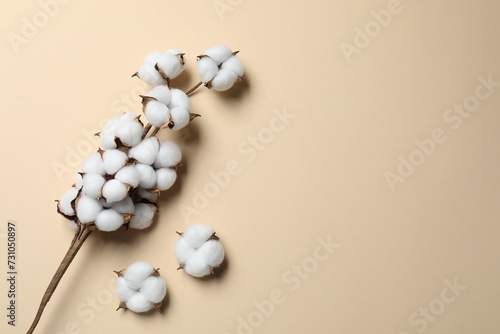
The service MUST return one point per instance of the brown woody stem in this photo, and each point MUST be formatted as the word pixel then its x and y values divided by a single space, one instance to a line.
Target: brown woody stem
pixel 195 87
pixel 81 235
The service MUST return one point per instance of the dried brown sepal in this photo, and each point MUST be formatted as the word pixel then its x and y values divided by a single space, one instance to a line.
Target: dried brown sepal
pixel 157 306
pixel 136 74
pixel 212 271
pixel 163 75
pixel 98 134
pixel 122 305
pixel 235 53
pixel 156 272
pixel 146 99
pixel 119 273
pixel 179 233
pixel 192 116
pixel 213 237
pixel 170 123
pixel 118 142
pixel 180 267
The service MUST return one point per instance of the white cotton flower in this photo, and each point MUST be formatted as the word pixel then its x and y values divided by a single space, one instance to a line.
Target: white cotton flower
pixel 148 73
pixel 143 216
pixel 169 155
pixel 165 178
pixel 198 250
pixel 140 288
pixel 224 80
pixel 157 113
pixel 136 274
pixel 170 65
pixel 179 99
pixel 154 289
pixel 93 164
pixel 114 191
pixel 145 152
pixel 92 184
pixel 160 93
pixel 87 209
pixel 114 160
pixel 139 304
pixel 207 69
pixel 64 204
pixel 129 175
pixel 129 132
pixel 109 220
pixel 218 53
pixel 147 176
pixel 125 206
pixel 180 118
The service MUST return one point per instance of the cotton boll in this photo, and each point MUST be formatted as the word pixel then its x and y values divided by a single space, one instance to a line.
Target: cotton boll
pixel 157 113
pixel 224 80
pixel 183 250
pixel 170 65
pixel 160 93
pixel 78 181
pixel 123 291
pixel 125 206
pixel 147 176
pixel 64 204
pixel 219 53
pixel 234 65
pixel 148 73
pixel 196 266
pixel 87 209
pixel 92 184
pixel 154 289
pixel 129 175
pixel 196 234
pixel 93 164
pixel 149 195
pixel 136 273
pixel 165 178
pixel 145 152
pixel 139 304
pixel 109 220
pixel 207 69
pixel 169 155
pixel 114 191
pixel 152 57
pixel 129 132
pixel 213 252
pixel 180 117
pixel 107 138
pixel 143 216
pixel 179 99
pixel 114 160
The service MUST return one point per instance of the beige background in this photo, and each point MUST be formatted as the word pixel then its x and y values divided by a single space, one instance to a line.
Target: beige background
pixel 322 175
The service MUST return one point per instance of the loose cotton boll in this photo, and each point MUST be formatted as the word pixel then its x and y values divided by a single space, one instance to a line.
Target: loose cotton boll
pixel 129 175
pixel 109 220
pixel 150 75
pixel 92 185
pixel 234 65
pixel 179 99
pixel 87 209
pixel 139 304
pixel 147 176
pixel 160 93
pixel 207 69
pixel 93 164
pixel 143 216
pixel 64 204
pixel 114 191
pixel 180 117
pixel 197 234
pixel 145 152
pixel 165 178
pixel 157 113
pixel 224 80
pixel 219 53
pixel 154 289
pixel 136 274
pixel 114 160
pixel 169 155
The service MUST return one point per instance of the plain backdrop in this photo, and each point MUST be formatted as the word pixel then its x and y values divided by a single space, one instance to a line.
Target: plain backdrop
pixel 352 176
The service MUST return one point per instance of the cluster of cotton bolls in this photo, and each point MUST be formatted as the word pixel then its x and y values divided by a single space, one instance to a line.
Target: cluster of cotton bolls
pixel 140 288
pixel 119 184
pixel 199 250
